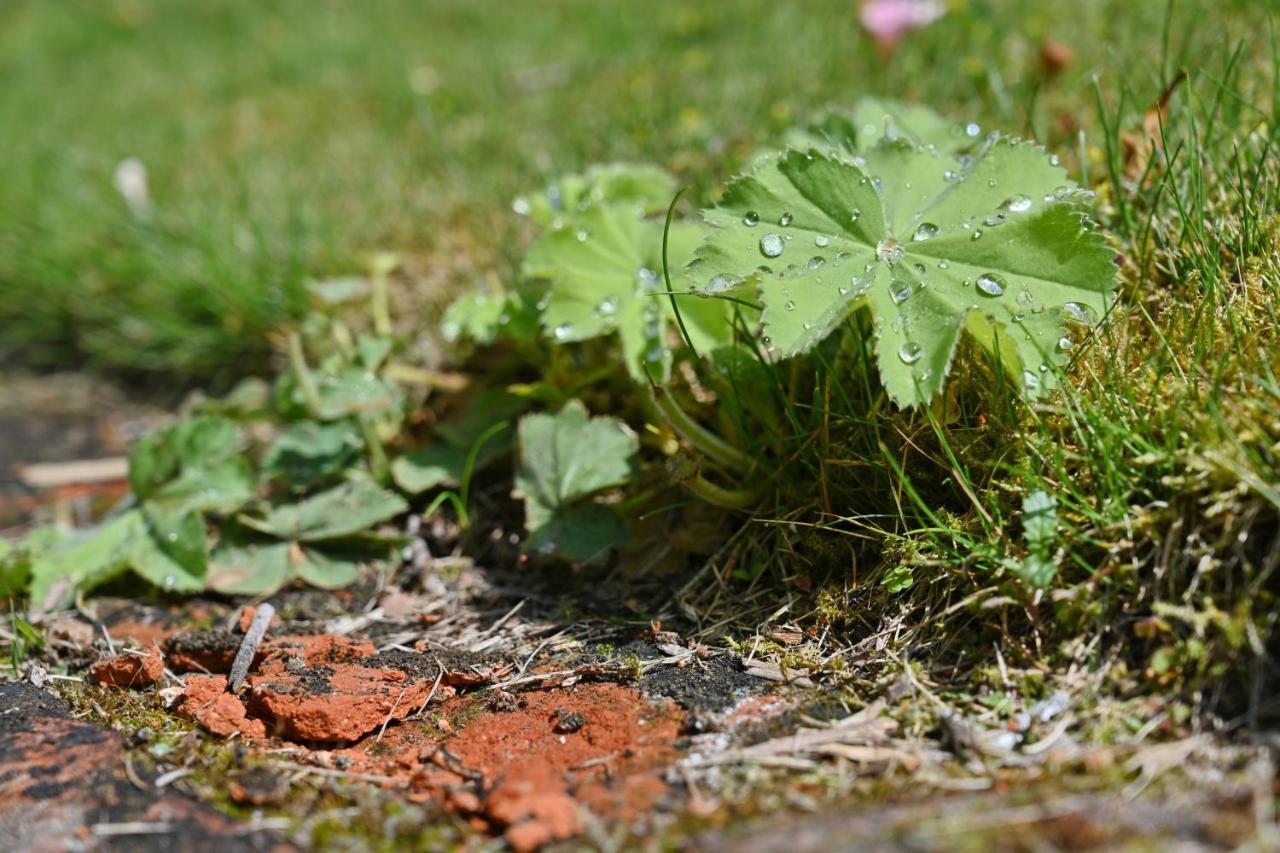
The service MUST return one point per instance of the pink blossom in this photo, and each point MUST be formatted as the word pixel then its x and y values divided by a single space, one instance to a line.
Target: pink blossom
pixel 889 20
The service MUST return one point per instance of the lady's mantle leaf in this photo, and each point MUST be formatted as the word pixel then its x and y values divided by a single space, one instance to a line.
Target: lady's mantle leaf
pixel 165 548
pixel 339 512
pixel 564 459
pixel 873 119
pixel 994 244
pixel 605 275
pixel 194 465
pixel 644 189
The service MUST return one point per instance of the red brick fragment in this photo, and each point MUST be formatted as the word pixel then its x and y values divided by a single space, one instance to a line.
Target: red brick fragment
pixel 129 670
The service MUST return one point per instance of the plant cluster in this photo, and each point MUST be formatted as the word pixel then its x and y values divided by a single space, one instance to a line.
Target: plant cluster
pixel 875 251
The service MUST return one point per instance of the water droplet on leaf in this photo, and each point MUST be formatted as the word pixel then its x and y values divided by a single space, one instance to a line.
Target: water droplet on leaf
pixel 910 352
pixel 771 245
pixel 889 250
pixel 924 231
pixel 992 284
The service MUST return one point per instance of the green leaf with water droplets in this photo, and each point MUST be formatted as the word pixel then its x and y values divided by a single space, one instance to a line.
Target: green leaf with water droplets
pixel 605 276
pixel 873 119
pixel 564 459
pixel 644 189
pixel 994 245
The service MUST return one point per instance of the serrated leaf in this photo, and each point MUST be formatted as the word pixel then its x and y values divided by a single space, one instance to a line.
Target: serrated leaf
pixel 605 275
pixel 173 555
pixel 82 560
pixel 1039 521
pixel 476 316
pixel 579 533
pixel 873 119
pixel 352 391
pixel 193 466
pixel 1037 570
pixel 564 459
pixel 429 467
pixel 310 452
pixel 570 455
pixel 325 570
pixel 642 188
pixel 333 514
pixel 239 567
pixel 993 245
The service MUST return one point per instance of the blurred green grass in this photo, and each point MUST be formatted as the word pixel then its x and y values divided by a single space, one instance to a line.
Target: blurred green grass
pixel 284 139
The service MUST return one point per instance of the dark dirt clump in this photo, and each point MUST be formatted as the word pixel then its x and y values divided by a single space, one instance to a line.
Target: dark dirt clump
pixel 461 668
pixel 704 685
pixel 211 650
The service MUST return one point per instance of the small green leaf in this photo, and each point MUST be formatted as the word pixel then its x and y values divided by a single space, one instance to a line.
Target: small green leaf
pixel 193 466
pixel 339 512
pixel 994 245
pixel 1037 570
pixel 1039 521
pixel 239 567
pixel 309 453
pixel 570 455
pixel 580 533
pixel 645 189
pixel 15 569
pixel 326 571
pixel 353 391
pixel 250 398
pixel 168 551
pixel 372 351
pixel 898 579
pixel 564 459
pixel 82 560
pixel 428 467
pixel 173 554
pixel 605 275
pixel 476 316
pixel 338 291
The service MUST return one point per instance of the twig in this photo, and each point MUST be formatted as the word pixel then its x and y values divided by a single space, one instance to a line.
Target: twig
pixel 392 713
pixel 172 776
pixel 112 830
pixel 249 646
pixel 431 695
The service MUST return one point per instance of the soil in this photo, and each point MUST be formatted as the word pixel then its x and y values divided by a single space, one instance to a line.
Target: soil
pixel 64 786
pixel 484 723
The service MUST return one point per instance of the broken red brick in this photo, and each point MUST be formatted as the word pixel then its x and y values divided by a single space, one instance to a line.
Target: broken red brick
pixel 207 701
pixel 534 808
pixel 129 670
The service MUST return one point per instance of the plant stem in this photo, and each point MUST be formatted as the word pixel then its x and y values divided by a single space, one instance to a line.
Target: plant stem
pixel 380 268
pixel 739 499
pixel 704 441
pixel 298 360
